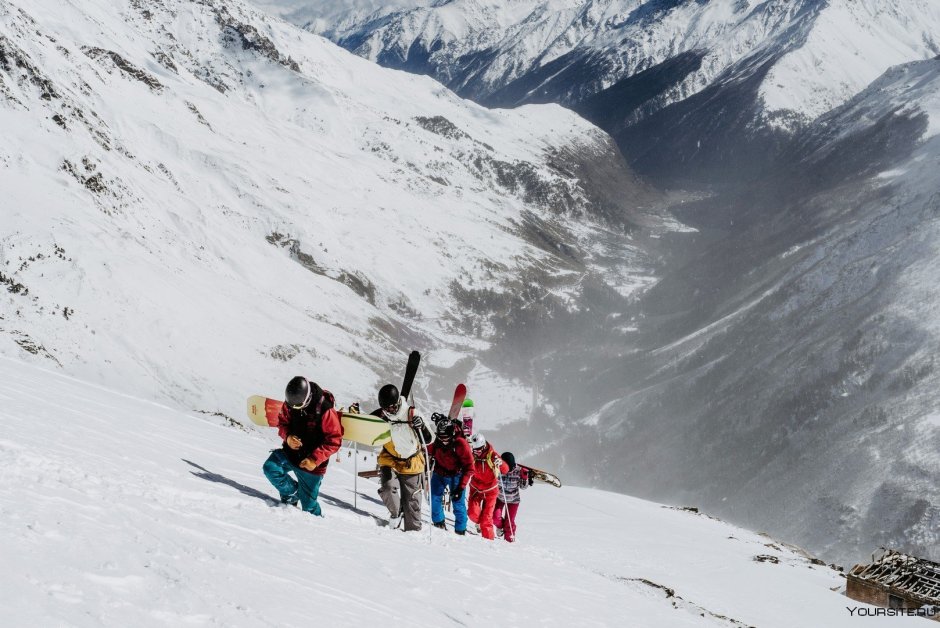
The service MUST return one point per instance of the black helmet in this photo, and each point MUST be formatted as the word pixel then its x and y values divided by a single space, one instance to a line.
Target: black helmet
pixel 445 428
pixel 300 392
pixel 389 396
pixel 509 459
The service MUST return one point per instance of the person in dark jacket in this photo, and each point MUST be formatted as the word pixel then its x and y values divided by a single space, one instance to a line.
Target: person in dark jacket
pixel 453 466
pixel 312 432
pixel 507 503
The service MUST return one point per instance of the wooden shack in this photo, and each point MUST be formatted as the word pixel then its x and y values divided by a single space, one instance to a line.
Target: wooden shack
pixel 895 580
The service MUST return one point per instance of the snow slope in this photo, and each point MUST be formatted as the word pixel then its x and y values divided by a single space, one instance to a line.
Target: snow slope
pixel 851 44
pixel 115 510
pixel 201 201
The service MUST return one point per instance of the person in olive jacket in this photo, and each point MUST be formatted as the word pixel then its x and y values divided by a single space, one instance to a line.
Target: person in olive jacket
pixel 312 432
pixel 401 461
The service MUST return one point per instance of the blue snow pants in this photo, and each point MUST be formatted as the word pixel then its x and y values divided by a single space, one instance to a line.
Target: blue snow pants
pixel 277 469
pixel 438 484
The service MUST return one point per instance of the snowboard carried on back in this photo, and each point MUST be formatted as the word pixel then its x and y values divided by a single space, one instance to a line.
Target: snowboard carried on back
pixel 364 429
pixel 543 476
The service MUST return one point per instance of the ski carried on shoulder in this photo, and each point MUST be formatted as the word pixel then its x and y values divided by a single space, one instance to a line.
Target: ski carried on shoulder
pixel 410 371
pixel 460 393
pixel 542 476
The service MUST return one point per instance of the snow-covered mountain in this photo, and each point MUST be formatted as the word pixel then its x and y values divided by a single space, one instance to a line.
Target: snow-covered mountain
pixel 166 520
pixel 783 373
pixel 694 91
pixel 200 201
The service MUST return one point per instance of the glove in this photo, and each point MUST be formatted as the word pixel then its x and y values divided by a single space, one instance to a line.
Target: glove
pixel 353 408
pixel 294 443
pixel 417 422
pixel 531 479
pixel 307 464
pixel 456 494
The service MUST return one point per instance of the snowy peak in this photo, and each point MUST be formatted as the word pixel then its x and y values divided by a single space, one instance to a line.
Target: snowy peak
pixel 657 72
pixel 483 46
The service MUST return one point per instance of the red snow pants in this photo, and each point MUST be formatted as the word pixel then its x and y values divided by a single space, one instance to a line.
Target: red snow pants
pixel 504 516
pixel 480 507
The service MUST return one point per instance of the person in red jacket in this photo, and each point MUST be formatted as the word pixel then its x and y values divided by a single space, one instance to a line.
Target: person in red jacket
pixel 487 468
pixel 312 432
pixel 453 466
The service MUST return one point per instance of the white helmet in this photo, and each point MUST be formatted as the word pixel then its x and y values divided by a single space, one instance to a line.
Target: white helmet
pixel 477 441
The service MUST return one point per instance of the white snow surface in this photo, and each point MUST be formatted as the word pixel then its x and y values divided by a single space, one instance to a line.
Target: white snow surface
pixel 831 50
pixel 117 511
pixel 196 214
pixel 852 43
pixel 321 15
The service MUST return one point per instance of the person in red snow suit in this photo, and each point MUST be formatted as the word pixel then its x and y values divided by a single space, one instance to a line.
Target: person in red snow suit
pixel 507 504
pixel 312 432
pixel 484 484
pixel 453 466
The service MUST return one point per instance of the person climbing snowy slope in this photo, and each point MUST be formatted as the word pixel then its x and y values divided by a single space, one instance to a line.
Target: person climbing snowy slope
pixel 487 467
pixel 312 432
pixel 507 503
pixel 401 460
pixel 453 466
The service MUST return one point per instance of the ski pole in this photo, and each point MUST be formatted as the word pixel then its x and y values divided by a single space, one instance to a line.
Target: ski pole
pixel 427 466
pixel 356 477
pixel 501 493
pixel 427 476
pixel 427 490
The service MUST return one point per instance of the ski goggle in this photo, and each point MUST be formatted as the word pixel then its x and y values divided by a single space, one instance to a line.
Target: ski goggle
pixel 306 399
